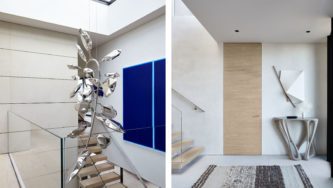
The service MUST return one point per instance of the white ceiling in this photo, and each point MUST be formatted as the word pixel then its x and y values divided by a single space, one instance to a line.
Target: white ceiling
pixel 264 20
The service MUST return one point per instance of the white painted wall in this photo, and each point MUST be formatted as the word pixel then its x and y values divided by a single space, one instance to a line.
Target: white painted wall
pixel 308 57
pixel 125 12
pixel 34 79
pixel 143 44
pixel 197 73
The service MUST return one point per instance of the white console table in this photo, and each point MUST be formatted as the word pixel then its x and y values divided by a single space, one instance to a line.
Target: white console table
pixel 310 125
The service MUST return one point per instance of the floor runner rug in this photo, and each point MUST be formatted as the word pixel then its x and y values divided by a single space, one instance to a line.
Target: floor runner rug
pixel 253 177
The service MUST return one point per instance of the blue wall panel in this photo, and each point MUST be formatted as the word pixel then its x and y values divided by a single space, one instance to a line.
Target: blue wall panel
pixel 137 104
pixel 144 104
pixel 159 104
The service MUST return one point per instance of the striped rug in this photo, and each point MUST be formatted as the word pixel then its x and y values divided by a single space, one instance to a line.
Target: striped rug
pixel 253 177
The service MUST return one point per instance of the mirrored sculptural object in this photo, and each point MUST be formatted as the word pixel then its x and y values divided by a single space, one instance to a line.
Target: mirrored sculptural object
pixel 82 107
pixel 109 86
pixel 115 125
pixel 80 162
pixel 87 99
pixel 89 90
pixel 86 91
pixel 103 141
pixel 76 90
pixel 81 53
pixel 111 56
pixel 88 73
pixel 86 40
pixel 110 123
pixel 93 64
pixel 112 75
pixel 109 112
pixel 93 81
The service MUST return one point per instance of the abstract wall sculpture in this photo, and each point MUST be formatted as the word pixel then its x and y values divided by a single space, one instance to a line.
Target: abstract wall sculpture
pixel 292 84
pixel 89 89
pixel 144 112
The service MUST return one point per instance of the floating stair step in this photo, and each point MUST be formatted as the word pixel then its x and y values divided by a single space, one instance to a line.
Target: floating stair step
pixel 93 170
pixel 96 182
pixel 181 146
pixel 83 141
pixel 116 185
pixel 185 158
pixel 96 158
pixel 176 136
pixel 83 136
pixel 95 149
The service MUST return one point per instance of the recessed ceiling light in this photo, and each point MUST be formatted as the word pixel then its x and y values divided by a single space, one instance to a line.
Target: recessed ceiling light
pixel 308 31
pixel 237 31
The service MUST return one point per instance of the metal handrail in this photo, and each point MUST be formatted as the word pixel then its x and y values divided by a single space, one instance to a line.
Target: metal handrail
pixel 196 107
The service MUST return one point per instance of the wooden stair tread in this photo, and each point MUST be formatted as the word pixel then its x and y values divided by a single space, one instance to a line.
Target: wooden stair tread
pixel 91 170
pixel 81 136
pixel 97 182
pixel 96 158
pixel 117 185
pixel 181 146
pixel 176 136
pixel 185 158
pixel 95 149
pixel 83 141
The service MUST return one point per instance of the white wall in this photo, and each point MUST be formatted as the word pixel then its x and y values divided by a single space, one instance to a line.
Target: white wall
pixel 308 57
pixel 197 73
pixel 34 79
pixel 125 12
pixel 143 44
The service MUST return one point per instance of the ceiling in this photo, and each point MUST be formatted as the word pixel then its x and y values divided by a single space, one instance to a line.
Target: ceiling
pixel 281 21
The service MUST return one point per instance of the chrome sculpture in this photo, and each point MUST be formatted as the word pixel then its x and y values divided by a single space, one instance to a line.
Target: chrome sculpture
pixel 103 141
pixel 80 162
pixel 111 56
pixel 88 90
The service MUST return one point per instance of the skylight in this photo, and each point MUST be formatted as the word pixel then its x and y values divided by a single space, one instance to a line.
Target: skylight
pixel 107 2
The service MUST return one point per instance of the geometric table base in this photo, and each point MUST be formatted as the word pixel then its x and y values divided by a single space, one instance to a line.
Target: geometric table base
pixel 310 131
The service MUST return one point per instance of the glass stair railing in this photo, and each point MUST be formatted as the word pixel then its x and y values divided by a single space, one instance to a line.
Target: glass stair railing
pixel 44 157
pixel 183 149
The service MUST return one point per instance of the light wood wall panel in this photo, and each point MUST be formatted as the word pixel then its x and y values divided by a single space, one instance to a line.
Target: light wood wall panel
pixel 242 98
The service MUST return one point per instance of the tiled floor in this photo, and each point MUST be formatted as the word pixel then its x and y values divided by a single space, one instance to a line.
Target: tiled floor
pixel 7 175
pixel 40 165
pixel 318 169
